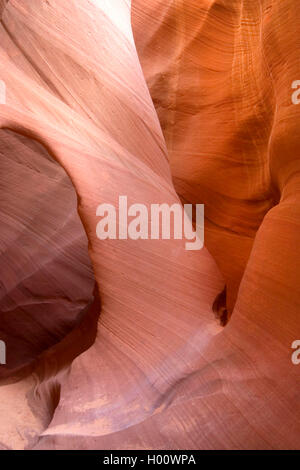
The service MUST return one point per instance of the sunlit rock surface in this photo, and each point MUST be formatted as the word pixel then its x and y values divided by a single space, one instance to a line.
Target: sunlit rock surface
pixel 154 370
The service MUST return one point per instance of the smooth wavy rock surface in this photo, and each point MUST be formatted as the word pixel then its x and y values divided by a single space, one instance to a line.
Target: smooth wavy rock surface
pixel 140 361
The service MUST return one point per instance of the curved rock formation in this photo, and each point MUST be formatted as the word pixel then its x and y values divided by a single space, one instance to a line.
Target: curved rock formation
pixel 44 254
pixel 155 370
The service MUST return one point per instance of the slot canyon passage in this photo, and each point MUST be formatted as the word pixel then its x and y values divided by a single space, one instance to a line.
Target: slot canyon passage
pixel 113 344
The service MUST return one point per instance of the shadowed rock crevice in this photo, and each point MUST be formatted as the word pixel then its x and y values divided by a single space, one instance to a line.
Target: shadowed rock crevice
pixel 46 278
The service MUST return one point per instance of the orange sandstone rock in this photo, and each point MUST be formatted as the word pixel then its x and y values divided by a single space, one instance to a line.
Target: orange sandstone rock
pixel 155 370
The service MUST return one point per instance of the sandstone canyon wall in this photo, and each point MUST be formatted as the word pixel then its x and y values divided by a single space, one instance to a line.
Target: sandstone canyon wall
pixel 113 344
